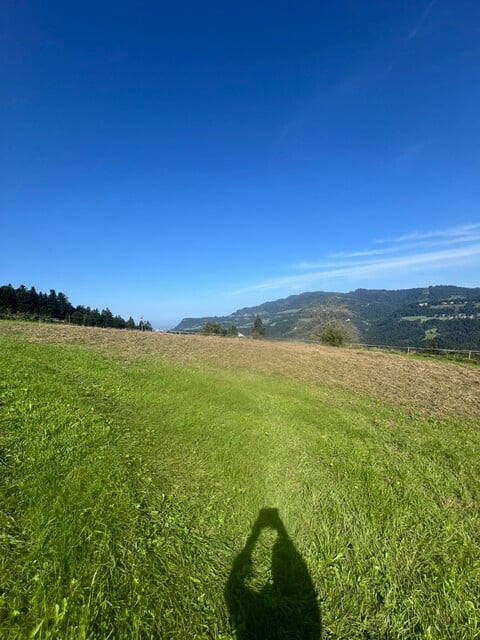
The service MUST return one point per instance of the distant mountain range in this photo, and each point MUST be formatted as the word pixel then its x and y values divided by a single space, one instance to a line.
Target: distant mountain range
pixel 444 316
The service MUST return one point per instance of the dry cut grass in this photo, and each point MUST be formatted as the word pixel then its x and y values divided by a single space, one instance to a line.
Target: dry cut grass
pixel 439 389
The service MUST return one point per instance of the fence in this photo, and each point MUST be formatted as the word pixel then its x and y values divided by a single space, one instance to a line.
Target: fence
pixel 464 354
pixel 467 354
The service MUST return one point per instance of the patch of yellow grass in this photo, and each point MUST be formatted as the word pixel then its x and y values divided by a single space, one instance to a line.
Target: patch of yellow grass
pixel 435 388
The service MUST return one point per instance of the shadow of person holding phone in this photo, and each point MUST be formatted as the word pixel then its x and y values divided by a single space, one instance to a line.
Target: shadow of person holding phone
pixel 285 607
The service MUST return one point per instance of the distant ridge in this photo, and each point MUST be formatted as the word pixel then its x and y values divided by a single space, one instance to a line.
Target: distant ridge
pixel 445 315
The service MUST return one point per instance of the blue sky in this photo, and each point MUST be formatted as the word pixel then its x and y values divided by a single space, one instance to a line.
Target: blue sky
pixel 182 159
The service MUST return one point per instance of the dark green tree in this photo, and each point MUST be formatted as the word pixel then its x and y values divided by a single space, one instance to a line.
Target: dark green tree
pixel 52 304
pixel 77 316
pixel 232 331
pixel 23 305
pixel 63 306
pixel 8 299
pixel 43 304
pixel 94 318
pixel 212 328
pixel 334 334
pixel 119 323
pixel 258 330
pixel 33 301
pixel 106 318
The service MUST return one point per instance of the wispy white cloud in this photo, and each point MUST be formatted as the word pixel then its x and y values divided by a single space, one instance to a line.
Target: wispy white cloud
pixel 363 254
pixel 446 248
pixel 334 261
pixel 418 25
pixel 453 236
pixel 404 247
pixel 307 266
pixel 460 233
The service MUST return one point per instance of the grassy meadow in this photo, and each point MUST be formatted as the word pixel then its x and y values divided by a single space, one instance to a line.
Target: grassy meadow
pixel 189 487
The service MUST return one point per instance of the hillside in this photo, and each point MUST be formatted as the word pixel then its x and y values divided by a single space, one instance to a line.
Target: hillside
pixel 407 317
pixel 165 486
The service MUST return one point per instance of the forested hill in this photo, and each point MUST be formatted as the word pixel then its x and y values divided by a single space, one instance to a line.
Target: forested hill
pixel 28 304
pixel 447 316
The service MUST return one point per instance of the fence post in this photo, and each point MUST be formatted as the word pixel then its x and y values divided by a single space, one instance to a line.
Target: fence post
pixel 469 355
pixel 408 351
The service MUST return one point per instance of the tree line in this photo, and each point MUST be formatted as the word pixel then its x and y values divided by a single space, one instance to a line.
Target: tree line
pixel 212 328
pixel 29 304
pixel 456 333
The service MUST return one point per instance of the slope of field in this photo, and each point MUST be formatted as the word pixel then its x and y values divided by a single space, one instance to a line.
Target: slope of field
pixel 429 386
pixel 179 487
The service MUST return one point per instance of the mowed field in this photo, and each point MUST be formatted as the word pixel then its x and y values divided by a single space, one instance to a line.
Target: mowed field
pixel 162 486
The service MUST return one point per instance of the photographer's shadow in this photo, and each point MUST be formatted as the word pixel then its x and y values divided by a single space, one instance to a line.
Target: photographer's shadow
pixel 284 608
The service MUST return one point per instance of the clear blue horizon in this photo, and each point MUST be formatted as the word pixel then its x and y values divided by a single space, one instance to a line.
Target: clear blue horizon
pixel 169 161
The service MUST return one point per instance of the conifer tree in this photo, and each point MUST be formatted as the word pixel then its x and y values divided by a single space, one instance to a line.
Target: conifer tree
pixel 258 330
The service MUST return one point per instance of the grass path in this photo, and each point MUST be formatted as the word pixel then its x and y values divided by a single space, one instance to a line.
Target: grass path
pixel 129 487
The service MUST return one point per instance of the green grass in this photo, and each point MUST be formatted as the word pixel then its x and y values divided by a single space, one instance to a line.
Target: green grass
pixel 128 491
